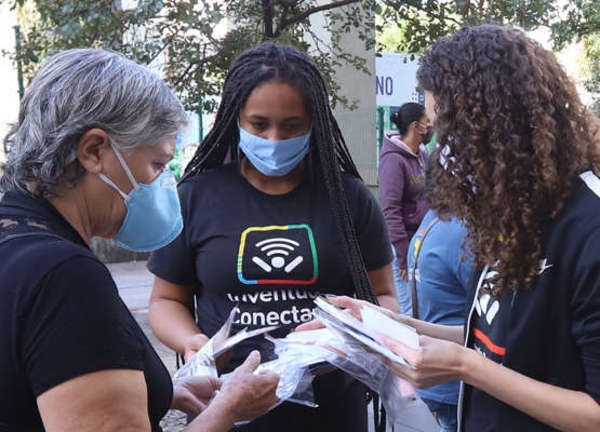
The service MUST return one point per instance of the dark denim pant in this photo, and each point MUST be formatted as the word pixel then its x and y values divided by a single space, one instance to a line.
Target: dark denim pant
pixel 445 413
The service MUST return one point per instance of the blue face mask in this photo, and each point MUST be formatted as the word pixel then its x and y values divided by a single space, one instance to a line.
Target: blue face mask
pixel 153 217
pixel 274 158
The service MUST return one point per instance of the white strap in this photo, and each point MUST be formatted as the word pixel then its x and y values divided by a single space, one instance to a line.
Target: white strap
pixel 113 185
pixel 125 167
pixel 592 181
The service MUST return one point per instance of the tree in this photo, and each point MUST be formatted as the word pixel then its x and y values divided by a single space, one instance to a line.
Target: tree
pixel 579 21
pixel 590 68
pixel 574 20
pixel 195 40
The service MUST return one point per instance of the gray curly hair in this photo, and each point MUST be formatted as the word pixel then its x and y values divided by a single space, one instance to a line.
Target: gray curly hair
pixel 75 91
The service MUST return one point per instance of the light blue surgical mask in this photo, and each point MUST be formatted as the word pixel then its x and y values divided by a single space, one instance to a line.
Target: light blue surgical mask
pixel 274 158
pixel 153 217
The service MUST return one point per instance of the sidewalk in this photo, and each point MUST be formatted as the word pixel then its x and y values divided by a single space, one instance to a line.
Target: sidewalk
pixel 134 282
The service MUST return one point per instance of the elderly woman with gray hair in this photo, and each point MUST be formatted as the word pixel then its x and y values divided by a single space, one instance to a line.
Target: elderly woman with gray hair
pixel 88 158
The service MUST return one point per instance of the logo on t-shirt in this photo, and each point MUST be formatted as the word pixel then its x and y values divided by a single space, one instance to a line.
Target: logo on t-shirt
pixel 278 255
pixel 489 336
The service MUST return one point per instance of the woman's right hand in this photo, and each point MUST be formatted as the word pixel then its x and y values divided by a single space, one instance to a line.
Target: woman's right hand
pixel 247 395
pixel 436 361
pixel 193 344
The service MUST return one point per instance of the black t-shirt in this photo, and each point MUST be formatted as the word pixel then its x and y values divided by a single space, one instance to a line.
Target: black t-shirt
pixel 61 316
pixel 550 333
pixel 269 254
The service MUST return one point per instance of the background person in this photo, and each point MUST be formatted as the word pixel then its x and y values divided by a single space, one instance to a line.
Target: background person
pixel 402 184
pixel 275 213
pixel 87 158
pixel 442 275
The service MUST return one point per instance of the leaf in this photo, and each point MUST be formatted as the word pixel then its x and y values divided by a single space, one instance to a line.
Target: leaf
pixel 199 49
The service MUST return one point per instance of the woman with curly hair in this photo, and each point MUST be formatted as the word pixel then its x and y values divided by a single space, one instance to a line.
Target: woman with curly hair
pixel 516 156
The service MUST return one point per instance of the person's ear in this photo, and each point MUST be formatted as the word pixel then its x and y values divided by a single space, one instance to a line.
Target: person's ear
pixel 91 150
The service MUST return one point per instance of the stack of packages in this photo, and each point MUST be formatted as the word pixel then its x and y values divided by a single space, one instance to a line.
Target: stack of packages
pixel 349 344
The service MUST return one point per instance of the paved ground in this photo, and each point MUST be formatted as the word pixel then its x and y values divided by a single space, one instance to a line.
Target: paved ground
pixel 135 283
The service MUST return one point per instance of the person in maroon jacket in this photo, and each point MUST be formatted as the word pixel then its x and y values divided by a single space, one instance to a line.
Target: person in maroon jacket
pixel 402 183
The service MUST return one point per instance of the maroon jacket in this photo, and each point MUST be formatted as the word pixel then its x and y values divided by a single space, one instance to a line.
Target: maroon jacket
pixel 402 185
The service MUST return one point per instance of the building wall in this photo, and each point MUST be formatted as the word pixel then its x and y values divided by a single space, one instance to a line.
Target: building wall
pixel 358 126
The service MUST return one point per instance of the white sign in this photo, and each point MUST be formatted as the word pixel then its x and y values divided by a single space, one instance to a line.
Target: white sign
pixel 395 79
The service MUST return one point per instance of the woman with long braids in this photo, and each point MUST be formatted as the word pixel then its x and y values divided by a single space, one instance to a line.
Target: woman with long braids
pixel 516 164
pixel 275 213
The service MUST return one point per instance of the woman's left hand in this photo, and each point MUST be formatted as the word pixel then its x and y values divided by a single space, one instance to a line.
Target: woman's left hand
pixel 436 361
pixel 193 394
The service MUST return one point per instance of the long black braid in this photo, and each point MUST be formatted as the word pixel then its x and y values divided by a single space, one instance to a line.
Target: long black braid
pixel 328 155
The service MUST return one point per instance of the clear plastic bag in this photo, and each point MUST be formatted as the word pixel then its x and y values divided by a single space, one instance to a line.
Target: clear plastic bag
pixel 302 354
pixel 293 364
pixel 295 380
pixel 204 362
pixel 398 397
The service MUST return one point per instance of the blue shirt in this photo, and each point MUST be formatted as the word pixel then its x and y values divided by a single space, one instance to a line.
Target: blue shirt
pixel 442 281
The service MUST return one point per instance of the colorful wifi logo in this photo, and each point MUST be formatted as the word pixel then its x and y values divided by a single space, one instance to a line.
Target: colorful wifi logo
pixel 278 251
pixel 277 255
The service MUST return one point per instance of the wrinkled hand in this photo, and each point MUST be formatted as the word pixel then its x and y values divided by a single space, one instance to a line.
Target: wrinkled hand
pixel 192 394
pixel 247 395
pixel 193 344
pixel 436 361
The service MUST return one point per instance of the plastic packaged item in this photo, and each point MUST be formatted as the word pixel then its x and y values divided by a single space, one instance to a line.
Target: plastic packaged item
pixel 345 343
pixel 204 361
pixel 293 367
pixel 296 366
pixel 360 355
pixel 366 332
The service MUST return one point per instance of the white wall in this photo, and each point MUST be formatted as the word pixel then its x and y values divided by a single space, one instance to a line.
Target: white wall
pixel 358 126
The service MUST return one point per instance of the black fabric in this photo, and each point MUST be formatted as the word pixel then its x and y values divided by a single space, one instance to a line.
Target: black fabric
pixel 342 413
pixel 61 316
pixel 549 332
pixel 232 253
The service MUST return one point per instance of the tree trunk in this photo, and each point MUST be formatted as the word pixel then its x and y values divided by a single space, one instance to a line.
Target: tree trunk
pixel 267 6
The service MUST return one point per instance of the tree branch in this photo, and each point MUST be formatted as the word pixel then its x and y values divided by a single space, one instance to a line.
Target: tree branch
pixel 166 43
pixel 194 65
pixel 267 7
pixel 301 17
pixel 395 6
pixel 284 14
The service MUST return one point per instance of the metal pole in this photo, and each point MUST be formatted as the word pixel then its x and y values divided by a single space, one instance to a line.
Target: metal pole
pixel 380 126
pixel 19 55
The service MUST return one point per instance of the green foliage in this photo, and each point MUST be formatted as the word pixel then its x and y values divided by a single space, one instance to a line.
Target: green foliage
pixel 573 20
pixel 194 41
pixel 422 22
pixel 175 164
pixel 590 68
